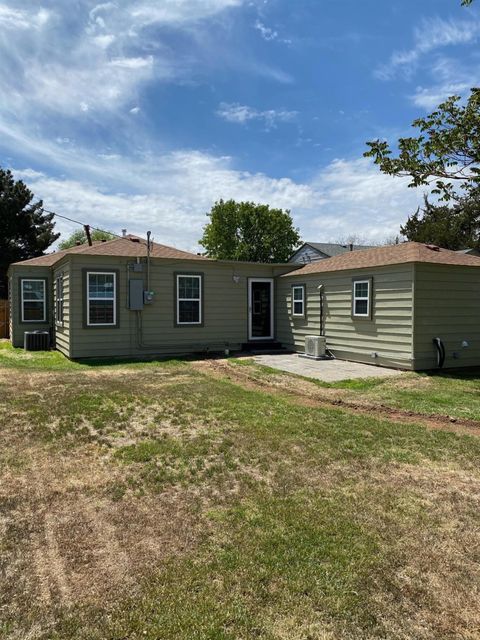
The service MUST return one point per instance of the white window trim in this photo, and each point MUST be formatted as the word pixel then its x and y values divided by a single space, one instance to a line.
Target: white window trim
pixel 114 299
pixel 302 288
pixel 44 300
pixel 359 298
pixel 58 278
pixel 199 299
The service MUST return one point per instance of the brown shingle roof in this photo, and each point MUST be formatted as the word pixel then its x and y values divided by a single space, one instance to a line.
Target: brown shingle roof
pixel 131 246
pixel 389 255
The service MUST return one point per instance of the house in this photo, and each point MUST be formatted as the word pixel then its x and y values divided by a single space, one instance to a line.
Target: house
pixel 313 251
pixel 471 252
pixel 386 305
pixel 113 299
pixel 123 297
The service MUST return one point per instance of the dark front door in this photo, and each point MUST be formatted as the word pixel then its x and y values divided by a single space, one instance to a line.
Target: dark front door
pixel 261 307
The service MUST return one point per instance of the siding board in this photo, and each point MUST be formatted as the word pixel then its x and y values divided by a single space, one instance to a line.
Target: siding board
pixel 447 305
pixel 225 310
pixel 389 333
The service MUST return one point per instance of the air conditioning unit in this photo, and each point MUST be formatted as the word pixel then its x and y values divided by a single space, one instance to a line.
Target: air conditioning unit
pixel 36 340
pixel 315 347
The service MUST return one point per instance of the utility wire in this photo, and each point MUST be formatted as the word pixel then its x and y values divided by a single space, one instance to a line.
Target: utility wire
pixel 82 223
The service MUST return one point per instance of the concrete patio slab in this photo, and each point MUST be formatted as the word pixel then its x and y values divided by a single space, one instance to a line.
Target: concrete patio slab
pixel 325 370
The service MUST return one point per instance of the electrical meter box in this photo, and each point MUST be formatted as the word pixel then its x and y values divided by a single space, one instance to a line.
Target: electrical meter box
pixel 148 297
pixel 135 295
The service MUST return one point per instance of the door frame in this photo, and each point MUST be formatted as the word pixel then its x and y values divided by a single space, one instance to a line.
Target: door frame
pixel 272 308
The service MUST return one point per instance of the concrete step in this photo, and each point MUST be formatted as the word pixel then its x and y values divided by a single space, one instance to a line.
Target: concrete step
pixel 261 346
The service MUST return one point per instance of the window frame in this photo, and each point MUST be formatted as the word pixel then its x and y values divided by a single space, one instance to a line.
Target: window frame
pixel 368 298
pixel 200 299
pixel 303 300
pixel 59 304
pixel 44 301
pixel 115 299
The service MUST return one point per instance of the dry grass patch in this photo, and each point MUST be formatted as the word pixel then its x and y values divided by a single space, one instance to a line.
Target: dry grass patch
pixel 176 504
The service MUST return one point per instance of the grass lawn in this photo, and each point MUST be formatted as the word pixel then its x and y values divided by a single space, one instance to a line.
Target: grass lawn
pixel 158 501
pixel 456 395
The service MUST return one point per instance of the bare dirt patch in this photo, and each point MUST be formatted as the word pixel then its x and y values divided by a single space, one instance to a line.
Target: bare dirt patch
pixel 309 394
pixel 72 543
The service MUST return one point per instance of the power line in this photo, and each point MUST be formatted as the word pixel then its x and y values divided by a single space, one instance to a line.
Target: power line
pixel 82 223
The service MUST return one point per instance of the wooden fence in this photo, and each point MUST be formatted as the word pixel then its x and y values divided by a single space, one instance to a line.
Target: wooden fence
pixel 3 318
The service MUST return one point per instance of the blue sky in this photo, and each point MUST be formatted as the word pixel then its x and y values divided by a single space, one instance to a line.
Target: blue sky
pixel 142 113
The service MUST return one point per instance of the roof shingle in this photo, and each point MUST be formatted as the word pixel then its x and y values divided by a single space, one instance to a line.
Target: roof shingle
pixel 389 255
pixel 332 249
pixel 130 246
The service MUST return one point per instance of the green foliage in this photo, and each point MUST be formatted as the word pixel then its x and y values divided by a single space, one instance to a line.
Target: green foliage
pixel 465 3
pixel 26 230
pixel 445 155
pixel 250 232
pixel 456 227
pixel 79 237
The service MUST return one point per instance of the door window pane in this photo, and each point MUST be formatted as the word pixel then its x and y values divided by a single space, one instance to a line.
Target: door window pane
pixel 261 309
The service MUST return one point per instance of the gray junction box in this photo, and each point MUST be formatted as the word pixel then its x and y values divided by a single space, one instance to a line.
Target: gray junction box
pixel 135 295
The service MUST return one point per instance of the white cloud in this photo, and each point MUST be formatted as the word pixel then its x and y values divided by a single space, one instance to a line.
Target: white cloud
pixel 73 54
pixel 132 63
pixel 170 194
pixel 452 77
pixel 104 41
pixel 430 36
pixel 174 12
pixel 134 110
pixel 429 98
pixel 268 34
pixel 355 198
pixel 241 114
pixel 11 18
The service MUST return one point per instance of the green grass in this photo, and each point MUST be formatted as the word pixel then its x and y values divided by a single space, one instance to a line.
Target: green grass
pixel 451 394
pixel 16 358
pixel 301 558
pixel 273 520
pixel 446 394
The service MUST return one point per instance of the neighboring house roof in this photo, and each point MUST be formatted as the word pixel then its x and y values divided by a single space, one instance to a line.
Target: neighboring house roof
pixel 471 251
pixel 130 246
pixel 330 249
pixel 390 255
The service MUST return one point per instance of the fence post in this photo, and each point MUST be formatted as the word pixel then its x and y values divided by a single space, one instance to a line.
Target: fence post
pixel 4 328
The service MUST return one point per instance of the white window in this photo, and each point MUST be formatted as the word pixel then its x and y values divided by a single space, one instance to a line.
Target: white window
pixel 298 300
pixel 189 299
pixel 59 299
pixel 101 298
pixel 361 298
pixel 33 300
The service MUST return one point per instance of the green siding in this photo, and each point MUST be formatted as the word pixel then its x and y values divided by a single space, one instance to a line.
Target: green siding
pixel 62 332
pixel 447 305
pixel 388 333
pixel 17 327
pixel 225 311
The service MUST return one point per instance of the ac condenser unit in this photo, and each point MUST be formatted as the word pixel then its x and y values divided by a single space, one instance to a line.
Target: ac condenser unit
pixel 315 347
pixel 36 340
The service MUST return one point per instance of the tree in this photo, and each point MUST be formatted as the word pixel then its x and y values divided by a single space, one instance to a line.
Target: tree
pixel 445 155
pixel 26 231
pixel 250 232
pixel 456 227
pixel 79 237
pixel 465 3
